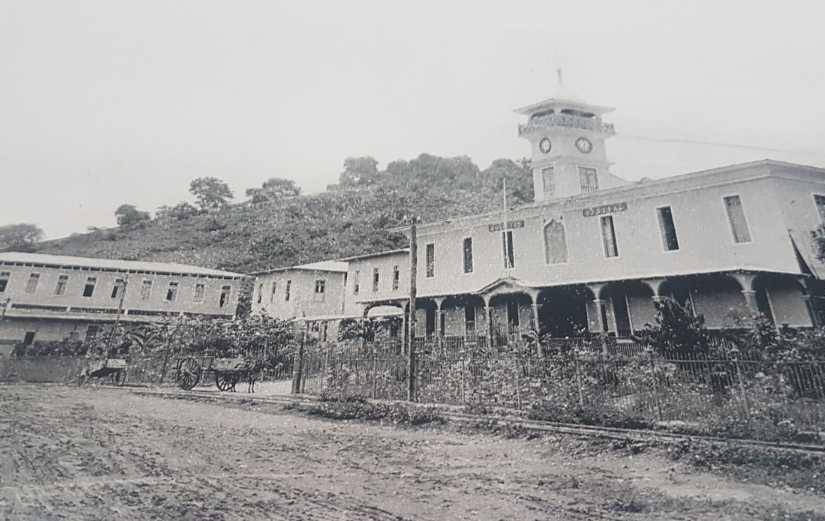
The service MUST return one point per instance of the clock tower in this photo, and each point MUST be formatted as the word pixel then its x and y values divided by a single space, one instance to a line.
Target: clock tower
pixel 567 138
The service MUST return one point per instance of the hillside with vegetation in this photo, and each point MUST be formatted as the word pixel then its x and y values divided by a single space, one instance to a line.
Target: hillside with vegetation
pixel 277 226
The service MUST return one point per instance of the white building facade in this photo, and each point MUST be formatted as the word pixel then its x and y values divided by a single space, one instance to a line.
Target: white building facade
pixel 53 297
pixel 594 252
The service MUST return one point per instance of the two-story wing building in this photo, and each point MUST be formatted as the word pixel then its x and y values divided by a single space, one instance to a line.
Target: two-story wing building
pixel 52 297
pixel 594 251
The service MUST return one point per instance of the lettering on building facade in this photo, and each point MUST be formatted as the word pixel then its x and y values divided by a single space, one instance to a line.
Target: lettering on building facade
pixel 511 225
pixel 604 209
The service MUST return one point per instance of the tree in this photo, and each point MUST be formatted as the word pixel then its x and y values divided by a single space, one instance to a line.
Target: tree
pixel 519 180
pixel 274 189
pixel 676 330
pixel 210 192
pixel 128 215
pixel 358 172
pixel 19 237
pixel 179 212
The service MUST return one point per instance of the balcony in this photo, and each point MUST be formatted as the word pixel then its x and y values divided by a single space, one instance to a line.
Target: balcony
pixel 565 120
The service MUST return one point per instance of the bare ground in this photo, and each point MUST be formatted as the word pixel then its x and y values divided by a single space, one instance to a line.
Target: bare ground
pixel 101 453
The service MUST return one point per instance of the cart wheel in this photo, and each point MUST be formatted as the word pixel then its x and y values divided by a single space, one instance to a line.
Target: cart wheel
pixel 223 381
pixel 119 377
pixel 189 374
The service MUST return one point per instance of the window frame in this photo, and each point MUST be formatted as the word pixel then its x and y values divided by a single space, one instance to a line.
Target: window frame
pixel 146 289
pixel 508 249
pixel 5 278
pixel 287 290
pixel 580 169
pixel 661 229
pixel 376 279
pixel 320 296
pixel 429 260
pixel 223 298
pixel 730 222
pixel 552 171
pixel 615 239
pixel 60 289
pixel 117 286
pixel 86 285
pixel 396 277
pixel 172 290
pixel 202 297
pixel 544 239
pixel 464 256
pixel 29 288
pixel 273 291
pixel 819 214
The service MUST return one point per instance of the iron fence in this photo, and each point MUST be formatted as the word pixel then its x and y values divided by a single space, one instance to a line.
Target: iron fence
pixel 620 380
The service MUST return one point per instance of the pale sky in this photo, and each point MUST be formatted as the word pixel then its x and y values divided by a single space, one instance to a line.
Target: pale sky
pixel 104 101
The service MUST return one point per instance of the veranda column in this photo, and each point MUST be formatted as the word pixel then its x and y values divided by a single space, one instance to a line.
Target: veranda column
pixel 534 302
pixel 809 305
pixel 438 311
pixel 488 314
pixel 598 303
pixel 745 280
pixel 656 286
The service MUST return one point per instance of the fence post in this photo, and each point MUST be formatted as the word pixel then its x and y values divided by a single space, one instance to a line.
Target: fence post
pixel 518 380
pixel 297 366
pixel 374 372
pixel 742 392
pixel 578 379
pixel 655 388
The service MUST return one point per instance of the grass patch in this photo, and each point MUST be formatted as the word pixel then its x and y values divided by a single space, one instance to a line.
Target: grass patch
pixel 359 409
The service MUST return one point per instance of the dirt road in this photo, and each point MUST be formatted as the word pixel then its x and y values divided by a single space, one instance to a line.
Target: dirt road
pixel 69 453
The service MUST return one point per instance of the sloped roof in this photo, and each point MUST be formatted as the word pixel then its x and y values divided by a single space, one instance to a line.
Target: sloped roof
pixel 327 265
pixel 45 259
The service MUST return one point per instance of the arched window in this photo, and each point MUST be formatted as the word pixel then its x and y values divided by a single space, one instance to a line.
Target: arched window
pixel 555 244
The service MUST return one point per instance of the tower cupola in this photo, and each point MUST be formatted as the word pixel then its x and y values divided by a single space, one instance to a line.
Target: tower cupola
pixel 567 138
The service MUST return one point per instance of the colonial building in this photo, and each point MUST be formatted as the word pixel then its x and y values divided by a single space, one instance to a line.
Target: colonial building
pixel 52 297
pixel 594 251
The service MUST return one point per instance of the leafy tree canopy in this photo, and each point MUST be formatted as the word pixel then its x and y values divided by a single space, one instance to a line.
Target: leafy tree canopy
pixel 129 215
pixel 358 172
pixel 274 189
pixel 19 237
pixel 210 193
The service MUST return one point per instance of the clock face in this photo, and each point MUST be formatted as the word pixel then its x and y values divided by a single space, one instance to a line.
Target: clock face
pixel 545 145
pixel 584 145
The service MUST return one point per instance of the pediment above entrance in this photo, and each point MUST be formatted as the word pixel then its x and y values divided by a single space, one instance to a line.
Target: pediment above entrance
pixel 506 286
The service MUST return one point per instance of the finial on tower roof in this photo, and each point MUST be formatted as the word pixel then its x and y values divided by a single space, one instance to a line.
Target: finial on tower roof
pixel 558 73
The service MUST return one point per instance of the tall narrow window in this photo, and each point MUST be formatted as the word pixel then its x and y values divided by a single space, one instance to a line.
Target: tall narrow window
pixel 287 289
pixel 555 243
pixel 819 200
pixel 589 179
pixel 31 284
pixel 62 282
pixel 260 292
pixel 92 331
pixel 468 255
pixel 200 291
pixel 396 277
pixel 224 300
pixel 320 289
pixel 4 280
pixel 89 288
pixel 609 237
pixel 356 285
pixel 667 228
pixel 736 217
pixel 146 289
pixel 507 247
pixel 117 288
pixel 172 292
pixel 274 289
pixel 548 183
pixel 375 279
pixel 430 259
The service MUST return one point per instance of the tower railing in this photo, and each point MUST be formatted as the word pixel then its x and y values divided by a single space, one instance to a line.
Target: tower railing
pixel 565 120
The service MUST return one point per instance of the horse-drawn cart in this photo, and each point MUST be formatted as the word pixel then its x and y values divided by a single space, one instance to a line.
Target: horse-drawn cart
pixel 227 371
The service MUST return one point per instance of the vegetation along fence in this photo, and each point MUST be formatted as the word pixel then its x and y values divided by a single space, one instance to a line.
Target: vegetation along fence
pixel 624 385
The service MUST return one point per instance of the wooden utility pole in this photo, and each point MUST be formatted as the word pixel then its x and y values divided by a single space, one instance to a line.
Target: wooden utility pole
pixel 411 321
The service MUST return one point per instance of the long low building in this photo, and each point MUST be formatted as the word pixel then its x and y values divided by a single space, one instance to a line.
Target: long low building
pixel 595 251
pixel 52 297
